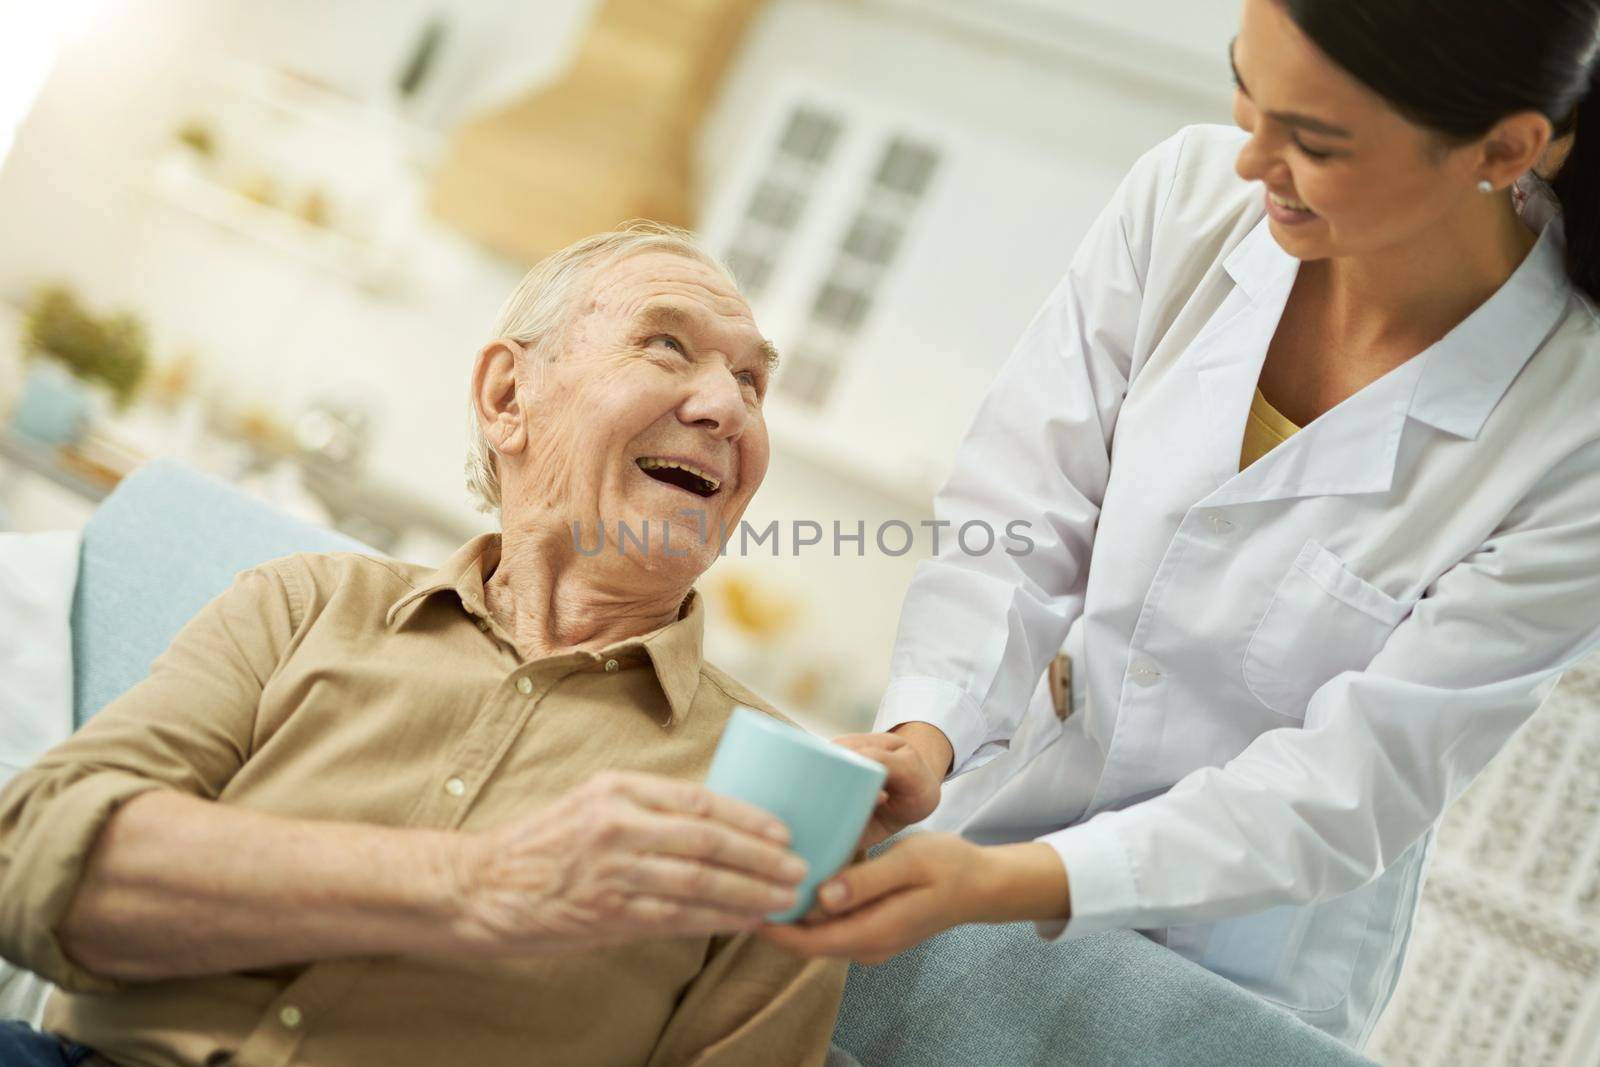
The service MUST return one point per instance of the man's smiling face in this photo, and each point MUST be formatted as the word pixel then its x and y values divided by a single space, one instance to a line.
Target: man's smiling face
pixel 648 411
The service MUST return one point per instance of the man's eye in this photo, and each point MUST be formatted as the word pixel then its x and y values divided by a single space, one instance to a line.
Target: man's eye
pixel 668 340
pixel 750 378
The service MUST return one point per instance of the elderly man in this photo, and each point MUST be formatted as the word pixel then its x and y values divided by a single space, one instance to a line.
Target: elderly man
pixel 366 813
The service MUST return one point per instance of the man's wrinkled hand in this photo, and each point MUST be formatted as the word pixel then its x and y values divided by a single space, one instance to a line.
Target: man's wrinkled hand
pixel 622 857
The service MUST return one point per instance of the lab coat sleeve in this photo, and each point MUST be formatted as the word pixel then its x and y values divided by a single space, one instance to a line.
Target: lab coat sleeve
pixel 977 631
pixel 1303 815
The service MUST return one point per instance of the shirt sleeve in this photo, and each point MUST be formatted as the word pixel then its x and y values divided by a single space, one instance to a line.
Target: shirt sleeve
pixel 754 1002
pixel 976 631
pixel 187 728
pixel 1303 815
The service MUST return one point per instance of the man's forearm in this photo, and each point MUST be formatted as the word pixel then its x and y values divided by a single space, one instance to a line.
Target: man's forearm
pixel 179 886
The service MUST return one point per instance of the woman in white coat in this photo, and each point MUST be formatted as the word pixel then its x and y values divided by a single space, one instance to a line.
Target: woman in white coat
pixel 1309 441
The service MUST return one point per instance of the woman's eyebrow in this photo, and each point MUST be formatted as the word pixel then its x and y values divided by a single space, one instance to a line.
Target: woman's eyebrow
pixel 1289 118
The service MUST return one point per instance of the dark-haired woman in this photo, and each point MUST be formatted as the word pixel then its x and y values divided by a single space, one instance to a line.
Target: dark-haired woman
pixel 1309 442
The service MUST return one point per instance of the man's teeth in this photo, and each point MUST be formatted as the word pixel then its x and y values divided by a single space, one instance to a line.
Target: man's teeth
pixel 667 464
pixel 1292 205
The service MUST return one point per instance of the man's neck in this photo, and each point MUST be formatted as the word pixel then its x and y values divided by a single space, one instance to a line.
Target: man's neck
pixel 551 600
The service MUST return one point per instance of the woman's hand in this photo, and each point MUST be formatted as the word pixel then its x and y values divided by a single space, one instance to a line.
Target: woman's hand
pixel 922 886
pixel 910 792
pixel 625 856
pixel 879 908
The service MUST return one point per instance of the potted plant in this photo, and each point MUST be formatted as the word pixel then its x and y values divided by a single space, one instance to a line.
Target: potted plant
pixel 67 346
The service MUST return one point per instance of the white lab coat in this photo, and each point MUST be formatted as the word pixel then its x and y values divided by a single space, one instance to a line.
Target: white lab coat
pixel 1281 676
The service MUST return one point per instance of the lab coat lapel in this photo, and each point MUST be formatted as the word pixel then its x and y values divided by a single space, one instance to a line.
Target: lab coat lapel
pixel 1349 449
pixel 1353 447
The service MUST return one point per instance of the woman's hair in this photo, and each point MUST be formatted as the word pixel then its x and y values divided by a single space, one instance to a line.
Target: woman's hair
pixel 1459 66
pixel 537 313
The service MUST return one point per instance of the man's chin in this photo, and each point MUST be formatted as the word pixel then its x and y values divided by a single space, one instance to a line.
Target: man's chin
pixel 664 536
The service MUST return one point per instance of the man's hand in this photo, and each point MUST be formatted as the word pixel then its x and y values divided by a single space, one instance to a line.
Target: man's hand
pixel 911 791
pixel 625 856
pixel 922 886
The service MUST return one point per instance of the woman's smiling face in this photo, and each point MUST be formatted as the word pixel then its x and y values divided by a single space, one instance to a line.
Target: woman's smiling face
pixel 1345 173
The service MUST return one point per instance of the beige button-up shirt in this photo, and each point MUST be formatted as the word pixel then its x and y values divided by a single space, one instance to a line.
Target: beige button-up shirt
pixel 351 688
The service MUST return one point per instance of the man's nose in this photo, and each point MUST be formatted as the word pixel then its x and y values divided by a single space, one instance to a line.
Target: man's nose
pixel 715 403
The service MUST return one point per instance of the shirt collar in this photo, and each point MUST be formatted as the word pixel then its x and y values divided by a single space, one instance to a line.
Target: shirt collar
pixel 1258 261
pixel 1470 369
pixel 1463 375
pixel 675 650
pixel 463 572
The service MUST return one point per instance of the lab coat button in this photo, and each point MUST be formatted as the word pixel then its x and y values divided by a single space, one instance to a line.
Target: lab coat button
pixel 1221 525
pixel 1145 673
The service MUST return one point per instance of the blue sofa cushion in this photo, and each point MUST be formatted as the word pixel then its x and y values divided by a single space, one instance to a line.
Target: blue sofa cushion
pixel 154 553
pixel 1001 996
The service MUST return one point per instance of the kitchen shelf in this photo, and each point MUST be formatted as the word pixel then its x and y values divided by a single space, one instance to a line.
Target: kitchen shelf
pixel 178 183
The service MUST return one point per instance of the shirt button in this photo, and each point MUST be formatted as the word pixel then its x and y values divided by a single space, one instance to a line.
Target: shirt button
pixel 611 664
pixel 1221 525
pixel 483 624
pixel 524 685
pixel 455 787
pixel 289 1016
pixel 1145 674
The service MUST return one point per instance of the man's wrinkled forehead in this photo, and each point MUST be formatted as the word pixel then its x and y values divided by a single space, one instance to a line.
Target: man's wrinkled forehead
pixel 669 291
pixel 622 287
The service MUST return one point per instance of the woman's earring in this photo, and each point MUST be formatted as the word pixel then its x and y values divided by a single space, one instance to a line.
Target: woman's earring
pixel 1486 186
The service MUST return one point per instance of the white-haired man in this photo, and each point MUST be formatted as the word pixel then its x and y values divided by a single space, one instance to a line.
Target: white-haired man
pixel 362 812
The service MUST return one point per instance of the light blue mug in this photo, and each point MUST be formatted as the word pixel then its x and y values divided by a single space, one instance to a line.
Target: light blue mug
pixel 824 793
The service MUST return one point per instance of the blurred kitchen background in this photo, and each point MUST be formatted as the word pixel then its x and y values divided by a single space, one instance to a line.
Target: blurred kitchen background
pixel 267 238
pixel 271 237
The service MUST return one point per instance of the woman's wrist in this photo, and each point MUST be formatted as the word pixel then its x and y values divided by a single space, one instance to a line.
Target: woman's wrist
pixel 1020 883
pixel 931 744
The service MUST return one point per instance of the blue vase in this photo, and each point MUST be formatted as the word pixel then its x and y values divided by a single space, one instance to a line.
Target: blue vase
pixel 54 406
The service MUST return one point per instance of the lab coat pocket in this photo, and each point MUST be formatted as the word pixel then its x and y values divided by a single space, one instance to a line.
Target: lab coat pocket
pixel 1323 619
pixel 1299 957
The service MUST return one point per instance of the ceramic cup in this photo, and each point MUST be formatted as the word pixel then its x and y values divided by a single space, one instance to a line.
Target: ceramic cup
pixel 823 793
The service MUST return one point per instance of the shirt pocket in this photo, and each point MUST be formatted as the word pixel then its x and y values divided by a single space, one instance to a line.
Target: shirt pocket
pixel 1323 619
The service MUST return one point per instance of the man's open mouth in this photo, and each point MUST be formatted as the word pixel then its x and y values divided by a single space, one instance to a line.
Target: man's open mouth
pixel 681 475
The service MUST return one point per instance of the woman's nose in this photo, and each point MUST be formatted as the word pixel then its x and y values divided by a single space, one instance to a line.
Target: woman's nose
pixel 1257 159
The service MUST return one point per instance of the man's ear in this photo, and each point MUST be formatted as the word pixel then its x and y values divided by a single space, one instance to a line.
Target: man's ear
pixel 494 396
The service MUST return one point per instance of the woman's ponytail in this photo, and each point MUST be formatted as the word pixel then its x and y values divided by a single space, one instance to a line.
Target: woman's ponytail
pixel 1577 185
